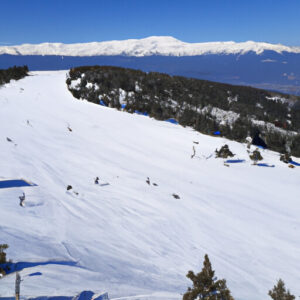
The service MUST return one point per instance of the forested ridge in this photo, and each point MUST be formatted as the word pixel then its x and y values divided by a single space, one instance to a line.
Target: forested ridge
pixel 15 73
pixel 235 111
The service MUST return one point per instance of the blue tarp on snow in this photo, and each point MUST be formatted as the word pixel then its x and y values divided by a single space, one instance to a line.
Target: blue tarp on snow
pixel 102 297
pixel 233 161
pixel 265 165
pixel 261 147
pixel 35 274
pixel 101 102
pixel 173 121
pixel 141 113
pixel 4 184
pixel 15 267
pixel 217 133
pixel 88 295
pixel 294 163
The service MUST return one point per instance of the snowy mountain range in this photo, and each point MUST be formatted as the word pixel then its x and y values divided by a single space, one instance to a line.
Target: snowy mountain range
pixel 127 235
pixel 263 65
pixel 155 45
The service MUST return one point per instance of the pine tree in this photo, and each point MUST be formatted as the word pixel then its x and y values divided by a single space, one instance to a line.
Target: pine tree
pixel 256 156
pixel 205 285
pixel 279 292
pixel 3 247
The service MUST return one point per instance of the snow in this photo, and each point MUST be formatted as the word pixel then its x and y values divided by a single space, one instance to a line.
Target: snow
pixel 124 236
pixel 75 84
pixel 271 127
pixel 89 85
pixel 223 117
pixel 137 87
pixel 122 96
pixel 232 99
pixel 277 99
pixel 154 45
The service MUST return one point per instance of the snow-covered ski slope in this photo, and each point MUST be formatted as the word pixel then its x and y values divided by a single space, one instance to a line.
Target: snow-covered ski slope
pixel 124 236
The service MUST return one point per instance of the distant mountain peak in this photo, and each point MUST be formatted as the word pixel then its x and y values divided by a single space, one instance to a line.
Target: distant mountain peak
pixel 153 45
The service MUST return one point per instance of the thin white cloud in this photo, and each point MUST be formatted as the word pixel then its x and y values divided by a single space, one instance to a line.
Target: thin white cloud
pixel 268 60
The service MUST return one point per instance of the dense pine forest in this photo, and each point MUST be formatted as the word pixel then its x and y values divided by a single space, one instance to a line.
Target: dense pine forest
pixel 235 112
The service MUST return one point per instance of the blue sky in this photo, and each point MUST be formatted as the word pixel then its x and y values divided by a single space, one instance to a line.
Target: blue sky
pixel 71 21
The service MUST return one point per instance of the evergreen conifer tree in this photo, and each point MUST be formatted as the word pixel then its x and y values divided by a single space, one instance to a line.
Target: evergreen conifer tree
pixel 256 156
pixel 206 286
pixel 3 247
pixel 280 293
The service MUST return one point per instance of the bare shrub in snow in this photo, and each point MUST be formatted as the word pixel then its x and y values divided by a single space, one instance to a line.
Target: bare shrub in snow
pixel 224 152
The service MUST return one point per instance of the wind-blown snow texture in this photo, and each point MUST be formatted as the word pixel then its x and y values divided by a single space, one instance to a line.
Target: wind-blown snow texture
pixel 155 45
pixel 128 237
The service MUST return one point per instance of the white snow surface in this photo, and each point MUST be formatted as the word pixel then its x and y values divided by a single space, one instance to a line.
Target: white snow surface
pixel 222 116
pixel 124 236
pixel 75 84
pixel 277 99
pixel 154 45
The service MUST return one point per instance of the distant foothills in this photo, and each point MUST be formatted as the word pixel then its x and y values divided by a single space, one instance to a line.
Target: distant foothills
pixel 262 65
pixel 235 112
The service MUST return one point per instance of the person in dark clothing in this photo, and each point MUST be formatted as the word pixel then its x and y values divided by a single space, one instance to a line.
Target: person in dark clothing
pixel 22 199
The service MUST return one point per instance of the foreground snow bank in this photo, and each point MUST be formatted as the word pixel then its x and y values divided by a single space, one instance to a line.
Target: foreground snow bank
pixel 125 236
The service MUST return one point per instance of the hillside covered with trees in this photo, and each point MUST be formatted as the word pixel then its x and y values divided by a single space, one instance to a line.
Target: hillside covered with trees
pixel 15 73
pixel 235 112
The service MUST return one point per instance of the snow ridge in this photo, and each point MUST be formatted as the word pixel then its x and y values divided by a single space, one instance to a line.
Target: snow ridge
pixel 154 45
